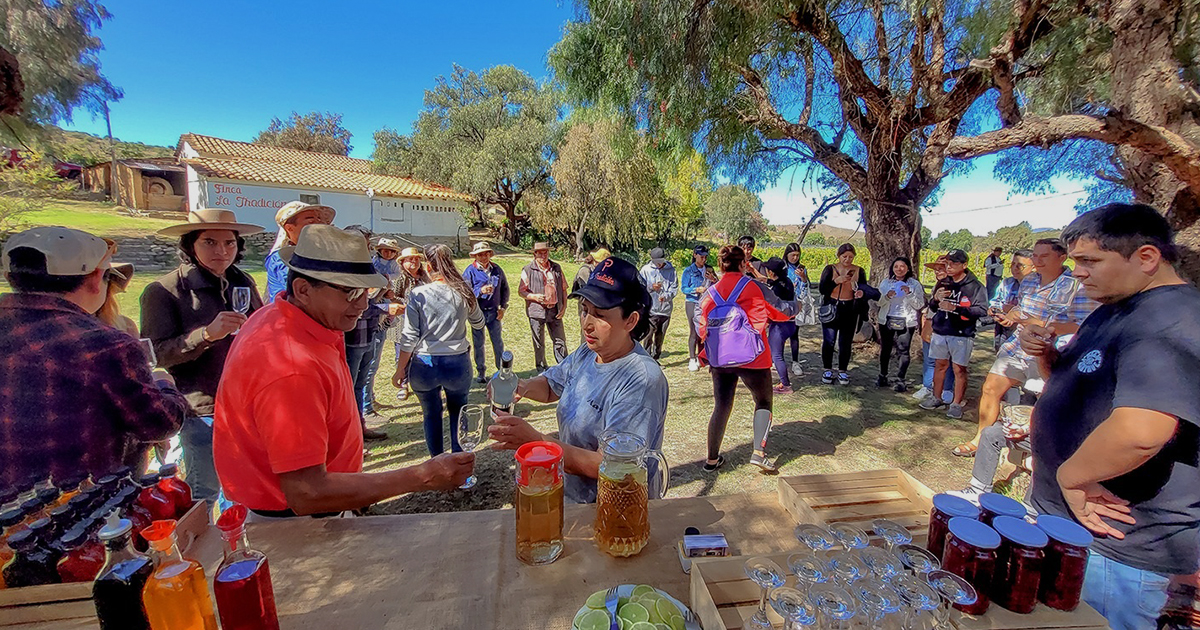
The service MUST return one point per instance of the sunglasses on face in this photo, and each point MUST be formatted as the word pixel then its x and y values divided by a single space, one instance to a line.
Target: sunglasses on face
pixel 354 293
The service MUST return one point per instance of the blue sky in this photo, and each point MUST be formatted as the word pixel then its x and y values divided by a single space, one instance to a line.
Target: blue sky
pixel 225 68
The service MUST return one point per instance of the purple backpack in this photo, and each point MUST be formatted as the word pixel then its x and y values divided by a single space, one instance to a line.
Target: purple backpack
pixel 730 340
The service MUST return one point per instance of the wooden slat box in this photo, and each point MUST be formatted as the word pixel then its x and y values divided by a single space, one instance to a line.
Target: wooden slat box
pixel 71 604
pixel 859 498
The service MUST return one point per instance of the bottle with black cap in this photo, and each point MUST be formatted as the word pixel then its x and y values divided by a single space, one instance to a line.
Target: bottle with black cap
pixel 10 498
pixel 83 555
pixel 33 563
pixel 8 526
pixel 117 591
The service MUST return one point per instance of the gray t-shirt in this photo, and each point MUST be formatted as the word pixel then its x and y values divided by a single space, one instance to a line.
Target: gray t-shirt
pixel 629 394
pixel 435 321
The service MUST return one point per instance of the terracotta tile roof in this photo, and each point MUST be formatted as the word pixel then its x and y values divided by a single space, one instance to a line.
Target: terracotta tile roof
pixel 228 159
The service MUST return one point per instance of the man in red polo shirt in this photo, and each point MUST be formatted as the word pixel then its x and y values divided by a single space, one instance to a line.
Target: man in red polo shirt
pixel 286 437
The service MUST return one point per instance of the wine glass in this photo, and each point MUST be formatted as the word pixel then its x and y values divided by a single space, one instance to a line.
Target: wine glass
pixel 793 606
pixel 850 536
pixel 883 563
pixel 241 301
pixel 1061 297
pixel 814 537
pixel 953 590
pixel 808 569
pixel 918 559
pixel 148 350
pixel 767 575
pixel 846 567
pixel 837 606
pixel 470 434
pixel 919 598
pixel 876 601
pixel 891 532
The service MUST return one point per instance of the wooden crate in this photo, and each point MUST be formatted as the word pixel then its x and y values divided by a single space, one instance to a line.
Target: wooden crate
pixel 70 605
pixel 724 599
pixel 859 498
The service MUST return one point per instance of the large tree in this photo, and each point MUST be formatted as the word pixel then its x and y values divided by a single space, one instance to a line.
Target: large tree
pixel 315 131
pixel 869 91
pixel 734 211
pixel 488 134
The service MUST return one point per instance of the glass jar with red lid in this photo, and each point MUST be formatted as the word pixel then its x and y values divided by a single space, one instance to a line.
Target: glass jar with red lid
pixel 1066 562
pixel 1018 564
pixel 970 554
pixel 946 507
pixel 178 489
pixel 992 505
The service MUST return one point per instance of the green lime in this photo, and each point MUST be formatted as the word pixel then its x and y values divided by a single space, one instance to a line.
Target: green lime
pixel 666 610
pixel 592 620
pixel 596 600
pixel 634 612
pixel 661 626
pixel 621 601
pixel 676 623
pixel 622 624
pixel 642 625
pixel 642 588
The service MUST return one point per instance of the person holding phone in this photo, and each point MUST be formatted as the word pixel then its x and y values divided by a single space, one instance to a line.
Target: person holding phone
pixel 845 291
pixel 958 302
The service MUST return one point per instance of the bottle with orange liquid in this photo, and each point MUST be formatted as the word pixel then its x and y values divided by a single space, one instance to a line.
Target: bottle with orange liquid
pixel 176 594
pixel 245 598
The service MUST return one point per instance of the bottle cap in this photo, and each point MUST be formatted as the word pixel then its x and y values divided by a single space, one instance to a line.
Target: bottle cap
pixel 1001 505
pixel 952 506
pixel 69 482
pixel 533 456
pixel 1065 530
pixel 506 358
pixel 232 521
pixel 108 481
pixel 115 526
pixel 62 514
pixel 123 471
pixel 41 527
pixel 47 495
pixel 74 537
pixel 146 481
pixel 160 534
pixel 12 517
pixel 22 540
pixel 974 533
pixel 1020 532
pixel 8 495
pixel 80 501
pixel 168 470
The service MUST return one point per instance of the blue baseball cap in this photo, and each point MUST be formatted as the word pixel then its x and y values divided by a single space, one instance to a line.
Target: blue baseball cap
pixel 613 281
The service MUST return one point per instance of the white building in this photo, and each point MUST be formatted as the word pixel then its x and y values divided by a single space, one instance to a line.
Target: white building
pixel 255 180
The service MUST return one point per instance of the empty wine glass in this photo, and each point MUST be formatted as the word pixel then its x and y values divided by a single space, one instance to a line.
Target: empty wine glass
pixel 850 536
pixel 808 569
pixel 148 350
pixel 767 575
pixel 241 301
pixel 1061 297
pixel 793 606
pixel 953 590
pixel 920 600
pixel 877 601
pixel 884 564
pixel 891 532
pixel 837 606
pixel 846 567
pixel 814 537
pixel 470 433
pixel 918 559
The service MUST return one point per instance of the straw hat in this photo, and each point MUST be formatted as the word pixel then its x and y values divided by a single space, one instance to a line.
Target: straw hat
pixel 332 255
pixel 211 219
pixel 388 243
pixel 481 248
pixel 537 247
pixel 122 274
pixel 292 208
pixel 411 252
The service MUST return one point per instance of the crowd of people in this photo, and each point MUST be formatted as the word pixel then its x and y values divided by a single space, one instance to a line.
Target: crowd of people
pixel 266 397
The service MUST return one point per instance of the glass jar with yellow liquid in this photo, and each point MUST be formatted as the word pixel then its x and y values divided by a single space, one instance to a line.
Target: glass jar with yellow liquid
pixel 623 492
pixel 176 595
pixel 539 502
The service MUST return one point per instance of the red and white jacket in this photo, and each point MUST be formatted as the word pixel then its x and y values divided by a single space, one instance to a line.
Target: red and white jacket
pixel 761 306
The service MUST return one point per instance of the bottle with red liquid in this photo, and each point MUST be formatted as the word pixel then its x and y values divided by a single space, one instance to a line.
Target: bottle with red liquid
pixel 84 555
pixel 245 597
pixel 126 501
pixel 176 488
pixel 117 591
pixel 157 502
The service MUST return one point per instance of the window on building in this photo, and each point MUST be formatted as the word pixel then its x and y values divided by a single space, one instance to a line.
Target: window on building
pixel 310 198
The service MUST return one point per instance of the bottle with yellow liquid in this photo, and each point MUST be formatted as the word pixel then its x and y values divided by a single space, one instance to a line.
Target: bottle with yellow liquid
pixel 176 595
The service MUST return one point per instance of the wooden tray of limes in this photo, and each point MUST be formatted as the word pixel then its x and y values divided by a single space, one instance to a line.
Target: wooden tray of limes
pixel 639 607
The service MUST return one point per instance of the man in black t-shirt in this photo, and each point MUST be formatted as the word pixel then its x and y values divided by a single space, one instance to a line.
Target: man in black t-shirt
pixel 1115 434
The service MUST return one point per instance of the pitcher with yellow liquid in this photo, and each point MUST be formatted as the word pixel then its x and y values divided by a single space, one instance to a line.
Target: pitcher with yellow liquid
pixel 623 492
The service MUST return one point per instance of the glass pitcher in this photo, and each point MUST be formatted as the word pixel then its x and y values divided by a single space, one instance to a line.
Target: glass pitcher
pixel 623 491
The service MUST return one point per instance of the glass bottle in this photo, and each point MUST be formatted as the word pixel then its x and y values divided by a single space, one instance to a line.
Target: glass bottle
pixel 83 558
pixel 10 498
pixel 176 488
pixel 68 487
pixel 49 497
pixel 504 385
pixel 152 497
pixel 63 517
pixel 9 523
pixel 242 586
pixel 126 500
pixel 176 594
pixel 32 564
pixel 117 591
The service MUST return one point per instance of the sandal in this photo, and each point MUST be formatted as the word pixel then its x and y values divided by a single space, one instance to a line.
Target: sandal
pixel 712 467
pixel 966 449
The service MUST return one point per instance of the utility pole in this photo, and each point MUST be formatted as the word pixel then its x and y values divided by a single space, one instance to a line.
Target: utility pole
pixel 112 156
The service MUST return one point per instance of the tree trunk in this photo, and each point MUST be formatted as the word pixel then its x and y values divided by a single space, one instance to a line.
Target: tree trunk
pixel 892 231
pixel 509 231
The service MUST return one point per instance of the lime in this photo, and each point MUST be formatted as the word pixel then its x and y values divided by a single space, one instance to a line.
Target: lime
pixel 661 626
pixel 592 620
pixel 666 609
pixel 642 588
pixel 622 624
pixel 596 600
pixel 621 601
pixel 634 612
pixel 642 625
pixel 676 623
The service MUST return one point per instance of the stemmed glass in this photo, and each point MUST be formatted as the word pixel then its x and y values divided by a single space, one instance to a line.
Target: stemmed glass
pixel 808 569
pixel 876 601
pixel 241 301
pixel 918 559
pixel 470 433
pixel 891 532
pixel 1060 299
pixel 767 575
pixel 846 567
pixel 148 350
pixel 837 606
pixel 850 536
pixel 814 537
pixel 884 564
pixel 919 598
pixel 793 606
pixel 953 590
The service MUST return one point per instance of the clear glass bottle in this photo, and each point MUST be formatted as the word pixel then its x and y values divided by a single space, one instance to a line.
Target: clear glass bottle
pixel 242 586
pixel 117 591
pixel 176 595
pixel 176 488
pixel 504 385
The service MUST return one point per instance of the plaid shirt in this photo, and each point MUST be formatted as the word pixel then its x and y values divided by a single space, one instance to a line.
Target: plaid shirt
pixel 1006 293
pixel 76 396
pixel 1033 301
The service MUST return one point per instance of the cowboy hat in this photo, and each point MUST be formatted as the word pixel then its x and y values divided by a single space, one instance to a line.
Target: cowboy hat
pixel 539 246
pixel 388 243
pixel 292 208
pixel 411 252
pixel 122 273
pixel 211 219
pixel 332 255
pixel 480 248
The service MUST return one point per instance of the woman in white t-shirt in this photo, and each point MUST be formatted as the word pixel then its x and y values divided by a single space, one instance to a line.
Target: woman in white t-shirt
pixel 902 297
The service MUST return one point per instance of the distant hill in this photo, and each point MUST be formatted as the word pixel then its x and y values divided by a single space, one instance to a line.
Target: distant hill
pixel 832 234
pixel 83 148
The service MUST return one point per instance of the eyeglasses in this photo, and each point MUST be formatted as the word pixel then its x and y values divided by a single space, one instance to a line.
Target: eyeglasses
pixel 354 293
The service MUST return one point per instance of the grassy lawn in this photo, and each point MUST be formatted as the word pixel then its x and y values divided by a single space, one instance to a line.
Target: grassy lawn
pixel 101 219
pixel 818 429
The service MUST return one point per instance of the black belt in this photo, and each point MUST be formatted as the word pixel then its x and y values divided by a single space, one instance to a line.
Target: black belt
pixel 289 513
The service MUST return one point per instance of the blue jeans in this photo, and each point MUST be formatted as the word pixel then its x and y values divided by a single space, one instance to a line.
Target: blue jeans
pixel 429 376
pixel 777 335
pixel 379 340
pixel 493 330
pixel 196 439
pixel 927 366
pixel 1129 598
pixel 359 358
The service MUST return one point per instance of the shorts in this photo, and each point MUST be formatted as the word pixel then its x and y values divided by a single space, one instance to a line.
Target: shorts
pixel 957 349
pixel 1015 367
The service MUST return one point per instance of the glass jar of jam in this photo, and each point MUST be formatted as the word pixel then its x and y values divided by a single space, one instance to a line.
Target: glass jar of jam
pixel 992 505
pixel 971 554
pixel 1018 564
pixel 946 507
pixel 1066 562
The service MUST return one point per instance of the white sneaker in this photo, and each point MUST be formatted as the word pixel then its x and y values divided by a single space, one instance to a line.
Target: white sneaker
pixel 694 365
pixel 970 493
pixel 796 369
pixel 921 394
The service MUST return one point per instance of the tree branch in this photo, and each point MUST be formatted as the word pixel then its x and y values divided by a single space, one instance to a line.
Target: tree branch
pixel 848 70
pixel 810 81
pixel 881 42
